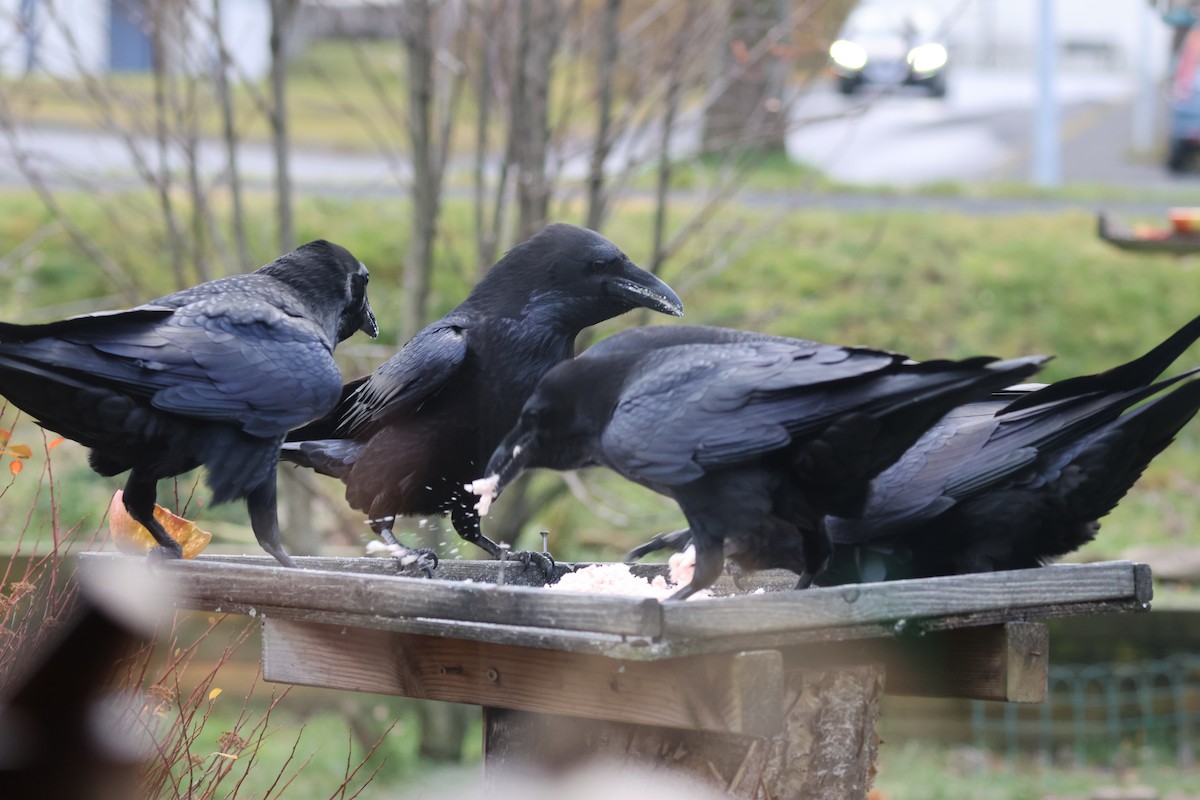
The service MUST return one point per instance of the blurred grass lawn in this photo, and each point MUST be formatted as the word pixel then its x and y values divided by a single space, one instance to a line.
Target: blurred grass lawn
pixel 911 770
pixel 923 771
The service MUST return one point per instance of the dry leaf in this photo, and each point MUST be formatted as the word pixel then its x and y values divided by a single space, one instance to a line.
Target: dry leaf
pixel 214 694
pixel 15 467
pixel 54 443
pixel 131 537
pixel 5 436
pixel 17 451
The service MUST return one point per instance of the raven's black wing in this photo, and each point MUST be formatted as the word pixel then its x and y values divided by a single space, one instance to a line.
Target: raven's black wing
pixel 408 379
pixel 234 360
pixel 698 406
pixel 969 453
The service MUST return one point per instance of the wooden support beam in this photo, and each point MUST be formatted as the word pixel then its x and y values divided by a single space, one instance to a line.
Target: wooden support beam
pixel 1008 662
pixel 825 751
pixel 734 693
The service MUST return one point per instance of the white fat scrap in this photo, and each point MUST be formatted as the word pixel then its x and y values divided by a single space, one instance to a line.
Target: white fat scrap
pixel 404 556
pixel 682 565
pixel 486 489
pixel 618 579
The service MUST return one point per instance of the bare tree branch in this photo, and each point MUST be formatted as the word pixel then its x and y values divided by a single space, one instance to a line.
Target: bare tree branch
pixel 597 198
pixel 282 14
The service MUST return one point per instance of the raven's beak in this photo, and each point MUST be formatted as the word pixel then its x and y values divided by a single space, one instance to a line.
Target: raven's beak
pixel 506 463
pixel 640 288
pixel 509 459
pixel 369 326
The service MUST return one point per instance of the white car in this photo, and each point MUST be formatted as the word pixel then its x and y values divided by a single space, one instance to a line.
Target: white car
pixel 890 47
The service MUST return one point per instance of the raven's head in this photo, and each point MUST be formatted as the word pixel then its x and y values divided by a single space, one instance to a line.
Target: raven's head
pixel 573 277
pixel 332 282
pixel 561 424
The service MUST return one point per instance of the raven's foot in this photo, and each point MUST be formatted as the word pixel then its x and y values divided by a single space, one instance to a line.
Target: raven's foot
pixel 806 580
pixel 675 540
pixel 406 557
pixel 165 553
pixel 737 574
pixel 425 560
pixel 543 562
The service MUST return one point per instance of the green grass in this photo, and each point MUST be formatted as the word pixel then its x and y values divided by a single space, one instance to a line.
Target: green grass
pixel 329 102
pixel 923 771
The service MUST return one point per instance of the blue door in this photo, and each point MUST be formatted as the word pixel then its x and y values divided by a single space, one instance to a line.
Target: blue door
pixel 128 40
pixel 27 22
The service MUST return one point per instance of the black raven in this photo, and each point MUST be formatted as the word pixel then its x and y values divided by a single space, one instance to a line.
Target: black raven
pixel 756 437
pixel 1017 480
pixel 211 376
pixel 408 437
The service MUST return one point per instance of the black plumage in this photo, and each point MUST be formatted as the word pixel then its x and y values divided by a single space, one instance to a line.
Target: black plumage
pixel 1020 479
pixel 210 376
pixel 409 437
pixel 756 437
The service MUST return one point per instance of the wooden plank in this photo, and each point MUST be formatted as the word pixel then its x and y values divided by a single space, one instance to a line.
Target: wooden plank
pixel 736 693
pixel 633 628
pixel 1007 662
pixel 588 642
pixel 206 587
pixel 902 603
pixel 515 573
pixel 680 647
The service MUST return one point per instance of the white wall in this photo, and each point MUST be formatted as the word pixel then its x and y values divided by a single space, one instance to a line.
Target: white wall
pixel 245 30
pixel 72 36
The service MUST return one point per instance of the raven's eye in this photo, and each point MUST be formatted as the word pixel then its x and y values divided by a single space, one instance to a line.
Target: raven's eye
pixel 598 265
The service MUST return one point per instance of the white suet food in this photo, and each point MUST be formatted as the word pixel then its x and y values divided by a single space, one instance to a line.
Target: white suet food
pixel 486 489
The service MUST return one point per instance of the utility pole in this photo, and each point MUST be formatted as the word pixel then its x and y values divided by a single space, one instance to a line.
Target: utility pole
pixel 1047 162
pixel 1144 105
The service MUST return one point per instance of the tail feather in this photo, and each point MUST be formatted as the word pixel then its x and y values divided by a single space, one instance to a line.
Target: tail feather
pixel 332 457
pixel 1133 374
pixel 1144 432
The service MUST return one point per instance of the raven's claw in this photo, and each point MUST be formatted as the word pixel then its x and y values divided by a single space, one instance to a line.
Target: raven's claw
pixel 423 559
pixel 543 561
pixel 163 553
pixel 406 557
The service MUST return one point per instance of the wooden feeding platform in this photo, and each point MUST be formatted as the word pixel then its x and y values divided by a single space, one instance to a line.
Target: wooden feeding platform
pixel 764 691
pixel 1158 240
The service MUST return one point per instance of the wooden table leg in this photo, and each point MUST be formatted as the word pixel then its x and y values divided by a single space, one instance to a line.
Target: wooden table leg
pixel 826 752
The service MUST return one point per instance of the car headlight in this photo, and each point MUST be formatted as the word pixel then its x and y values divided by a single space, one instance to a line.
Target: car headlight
pixel 927 57
pixel 847 54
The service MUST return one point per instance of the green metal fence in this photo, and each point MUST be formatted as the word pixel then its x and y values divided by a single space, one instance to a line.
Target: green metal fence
pixel 1149 709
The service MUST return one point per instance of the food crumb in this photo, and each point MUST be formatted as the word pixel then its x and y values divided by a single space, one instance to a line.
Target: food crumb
pixel 618 579
pixel 401 554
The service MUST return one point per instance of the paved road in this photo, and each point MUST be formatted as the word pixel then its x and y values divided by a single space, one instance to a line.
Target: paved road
pixel 979 132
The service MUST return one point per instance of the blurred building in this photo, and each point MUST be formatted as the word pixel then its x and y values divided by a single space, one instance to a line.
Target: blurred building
pixel 67 38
